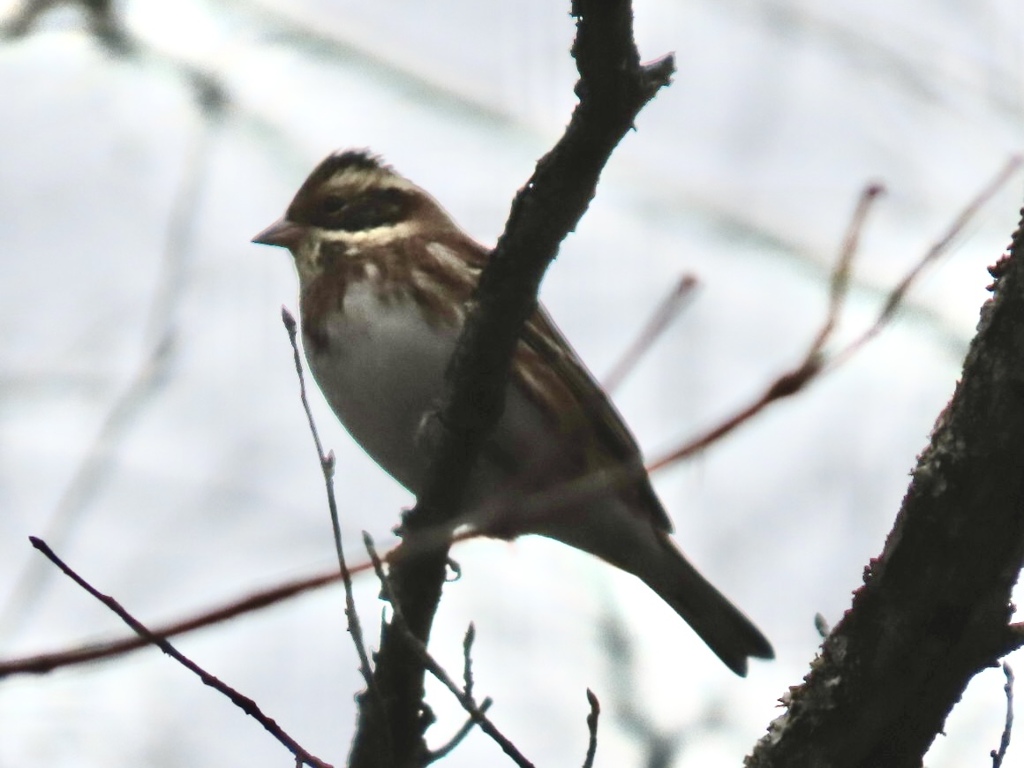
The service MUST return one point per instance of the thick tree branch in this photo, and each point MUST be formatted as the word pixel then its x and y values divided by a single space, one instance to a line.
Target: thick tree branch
pixel 612 89
pixel 935 606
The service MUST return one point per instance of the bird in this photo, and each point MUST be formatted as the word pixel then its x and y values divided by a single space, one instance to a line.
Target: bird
pixel 386 279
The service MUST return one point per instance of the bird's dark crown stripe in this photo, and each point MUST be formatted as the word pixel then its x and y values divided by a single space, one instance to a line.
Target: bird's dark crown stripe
pixel 355 159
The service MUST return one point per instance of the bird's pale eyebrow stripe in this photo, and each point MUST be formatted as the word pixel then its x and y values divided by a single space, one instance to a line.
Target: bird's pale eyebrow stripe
pixel 379 235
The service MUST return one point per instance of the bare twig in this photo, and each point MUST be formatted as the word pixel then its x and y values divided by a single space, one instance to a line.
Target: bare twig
pixel 462 733
pixel 430 664
pixel 938 248
pixel 814 362
pixel 43 663
pixel 839 282
pixel 325 461
pixel 1004 741
pixel 244 703
pixel 797 378
pixel 327 467
pixel 467 656
pixel 595 713
pixel 667 310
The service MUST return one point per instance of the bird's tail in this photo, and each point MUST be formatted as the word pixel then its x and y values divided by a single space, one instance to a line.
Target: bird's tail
pixel 618 536
pixel 719 623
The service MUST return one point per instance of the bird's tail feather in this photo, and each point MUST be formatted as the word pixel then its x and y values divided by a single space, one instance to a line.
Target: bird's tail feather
pixel 719 623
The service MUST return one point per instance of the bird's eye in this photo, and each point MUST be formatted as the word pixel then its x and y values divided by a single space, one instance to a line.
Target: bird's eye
pixel 332 204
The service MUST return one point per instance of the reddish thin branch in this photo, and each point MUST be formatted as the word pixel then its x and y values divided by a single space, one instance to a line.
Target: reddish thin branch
pixel 815 362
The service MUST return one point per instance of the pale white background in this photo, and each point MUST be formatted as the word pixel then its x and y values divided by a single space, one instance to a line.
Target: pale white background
pixel 203 483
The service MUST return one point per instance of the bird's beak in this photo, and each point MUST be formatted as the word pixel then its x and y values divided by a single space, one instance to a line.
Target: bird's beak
pixel 282 232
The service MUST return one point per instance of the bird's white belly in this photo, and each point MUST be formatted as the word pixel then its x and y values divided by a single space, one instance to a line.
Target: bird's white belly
pixel 381 372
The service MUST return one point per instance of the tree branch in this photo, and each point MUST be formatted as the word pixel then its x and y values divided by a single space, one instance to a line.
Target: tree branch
pixel 935 606
pixel 247 705
pixel 612 89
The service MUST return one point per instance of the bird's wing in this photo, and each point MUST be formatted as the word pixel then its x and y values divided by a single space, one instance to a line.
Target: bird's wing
pixel 542 337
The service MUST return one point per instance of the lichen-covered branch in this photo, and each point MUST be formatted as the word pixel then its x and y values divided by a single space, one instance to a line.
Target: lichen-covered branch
pixel 935 608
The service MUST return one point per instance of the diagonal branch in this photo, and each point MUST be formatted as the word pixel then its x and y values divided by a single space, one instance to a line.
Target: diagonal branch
pixel 247 705
pixel 935 606
pixel 612 89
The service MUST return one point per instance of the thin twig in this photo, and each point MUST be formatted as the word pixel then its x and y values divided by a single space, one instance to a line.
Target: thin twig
pixel 244 703
pixel 327 467
pixel 467 657
pixel 814 362
pixel 595 713
pixel 1004 741
pixel 668 309
pixel 797 378
pixel 839 281
pixel 939 248
pixel 90 652
pixel 47 662
pixel 431 665
pixel 454 741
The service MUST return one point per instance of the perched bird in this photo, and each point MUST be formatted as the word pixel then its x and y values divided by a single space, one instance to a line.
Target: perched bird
pixel 385 278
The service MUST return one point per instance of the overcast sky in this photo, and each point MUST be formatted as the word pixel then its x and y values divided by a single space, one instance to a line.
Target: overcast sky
pixel 150 427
